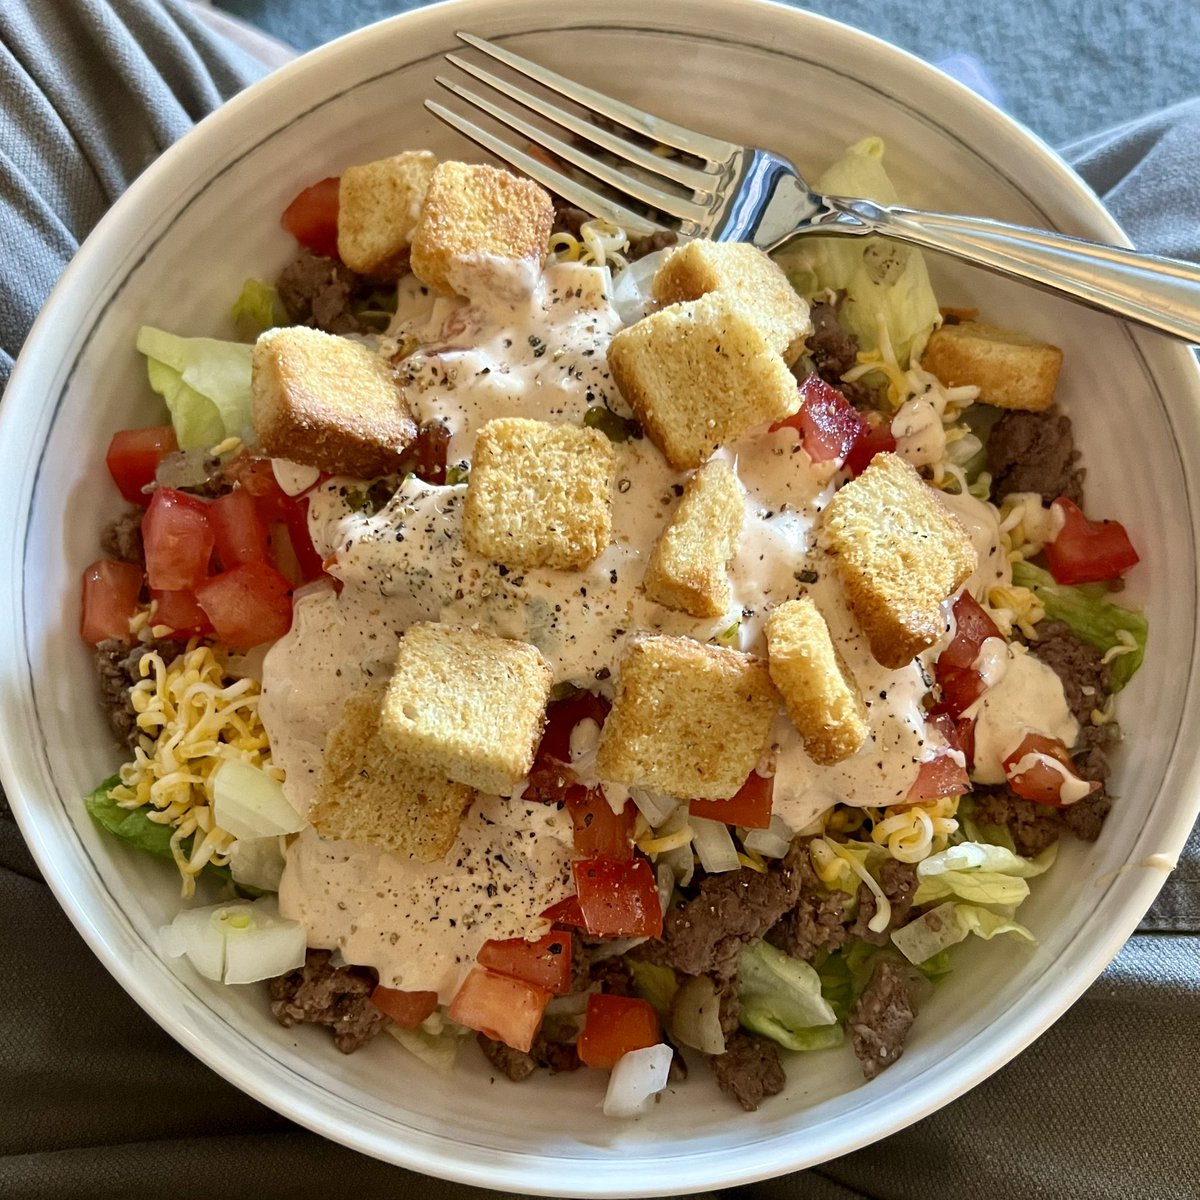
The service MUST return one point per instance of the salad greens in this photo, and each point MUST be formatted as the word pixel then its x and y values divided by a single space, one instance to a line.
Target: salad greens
pixel 980 873
pixel 928 936
pixel 781 999
pixel 257 309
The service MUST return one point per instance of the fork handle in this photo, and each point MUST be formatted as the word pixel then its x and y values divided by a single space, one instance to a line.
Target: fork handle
pixel 1163 293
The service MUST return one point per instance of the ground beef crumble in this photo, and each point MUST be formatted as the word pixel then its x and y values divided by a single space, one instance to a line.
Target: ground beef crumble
pixel 320 292
pixel 749 1070
pixel 880 1020
pixel 1034 452
pixel 117 670
pixel 322 994
pixel 122 537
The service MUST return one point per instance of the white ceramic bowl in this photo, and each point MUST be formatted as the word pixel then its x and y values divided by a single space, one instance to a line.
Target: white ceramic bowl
pixel 174 252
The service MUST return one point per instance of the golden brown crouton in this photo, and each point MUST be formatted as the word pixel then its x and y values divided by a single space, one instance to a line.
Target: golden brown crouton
pixel 900 553
pixel 700 374
pixel 329 403
pixel 817 687
pixel 472 216
pixel 688 563
pixel 688 720
pixel 539 494
pixel 466 705
pixel 378 207
pixel 743 273
pixel 1011 369
pixel 368 793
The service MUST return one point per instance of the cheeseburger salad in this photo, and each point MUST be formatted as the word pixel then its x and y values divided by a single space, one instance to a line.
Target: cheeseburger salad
pixel 622 655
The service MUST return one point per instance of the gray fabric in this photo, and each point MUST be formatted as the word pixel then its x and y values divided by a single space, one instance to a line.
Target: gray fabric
pixel 96 1101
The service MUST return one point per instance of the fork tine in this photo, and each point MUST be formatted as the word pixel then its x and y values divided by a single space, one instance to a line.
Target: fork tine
pixel 562 185
pixel 654 128
pixel 691 178
pixel 671 203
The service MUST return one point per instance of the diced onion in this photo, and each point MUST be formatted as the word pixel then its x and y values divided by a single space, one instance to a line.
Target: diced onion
pixel 631 294
pixel 714 845
pixel 654 806
pixel 293 478
pixel 696 1015
pixel 257 862
pixel 636 1079
pixel 437 1050
pixel 682 863
pixel 236 943
pixel 183 469
pixel 664 877
pixel 248 803
pixel 772 842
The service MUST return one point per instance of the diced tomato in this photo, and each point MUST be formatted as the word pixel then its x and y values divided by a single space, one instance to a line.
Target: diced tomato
pixel 599 832
pixel 310 562
pixel 239 533
pixel 545 962
pixel 178 539
pixel 109 600
pixel 614 1026
pixel 508 1010
pixel 312 218
pixel 565 912
pixel 248 605
pixel 618 899
pixel 551 779
pixel 407 1009
pixel 181 613
pixel 1088 551
pixel 257 476
pixel 749 806
pixel 1041 781
pixel 133 457
pixel 876 439
pixel 426 457
pixel 960 682
pixel 940 776
pixel 827 423
pixel 958 733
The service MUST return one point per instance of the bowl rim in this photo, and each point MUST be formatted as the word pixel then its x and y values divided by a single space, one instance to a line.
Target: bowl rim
pixel 442 1154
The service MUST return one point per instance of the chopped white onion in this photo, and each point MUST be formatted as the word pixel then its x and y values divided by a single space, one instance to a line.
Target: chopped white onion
pixel 437 1050
pixel 293 478
pixel 681 861
pixel 696 1015
pixel 183 469
pixel 636 1079
pixel 257 862
pixel 248 803
pixel 236 943
pixel 714 846
pixel 631 294
pixel 772 842
pixel 654 806
pixel 664 877
pixel 614 947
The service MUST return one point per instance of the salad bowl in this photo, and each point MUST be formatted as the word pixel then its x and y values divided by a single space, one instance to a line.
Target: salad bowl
pixel 208 213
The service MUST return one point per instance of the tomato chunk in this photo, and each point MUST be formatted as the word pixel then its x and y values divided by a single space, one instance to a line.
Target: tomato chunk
pixel 181 613
pixel 565 912
pixel 961 683
pixel 407 1009
pixel 505 1009
pixel 109 600
pixel 599 832
pixel 551 779
pixel 248 605
pixel 614 1026
pixel 313 216
pixel 1088 551
pixel 1040 768
pixel 239 534
pixel 133 457
pixel 618 899
pixel 876 439
pixel 937 777
pixel 178 539
pixel 749 806
pixel 545 962
pixel 827 423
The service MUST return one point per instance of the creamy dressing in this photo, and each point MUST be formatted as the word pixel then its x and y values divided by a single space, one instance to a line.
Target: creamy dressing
pixel 1070 789
pixel 978 518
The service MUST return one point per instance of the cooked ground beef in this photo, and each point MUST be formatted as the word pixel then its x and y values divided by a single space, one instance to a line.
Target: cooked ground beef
pixel 613 975
pixel 705 935
pixel 569 219
pixel 322 994
pixel 898 881
pixel 817 921
pixel 1032 827
pixel 319 292
pixel 515 1064
pixel 122 538
pixel 1034 452
pixel 1078 664
pixel 553 1049
pixel 749 1070
pixel 117 671
pixel 729 1011
pixel 833 349
pixel 881 1019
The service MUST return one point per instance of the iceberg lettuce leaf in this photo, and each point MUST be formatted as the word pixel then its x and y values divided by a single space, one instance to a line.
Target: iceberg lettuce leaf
pixel 980 873
pixel 781 999
pixel 947 925
pixel 257 309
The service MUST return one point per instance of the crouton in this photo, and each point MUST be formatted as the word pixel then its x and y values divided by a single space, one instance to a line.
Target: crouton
pixel 900 552
pixel 368 793
pixel 743 273
pixel 472 217
pixel 378 207
pixel 466 705
pixel 539 494
pixel 329 403
pixel 818 689
pixel 687 568
pixel 1011 369
pixel 700 374
pixel 689 720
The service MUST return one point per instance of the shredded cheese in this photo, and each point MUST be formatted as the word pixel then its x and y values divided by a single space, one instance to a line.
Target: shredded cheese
pixel 915 831
pixel 600 243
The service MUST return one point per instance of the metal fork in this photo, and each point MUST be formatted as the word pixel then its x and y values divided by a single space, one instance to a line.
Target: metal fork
pixel 728 192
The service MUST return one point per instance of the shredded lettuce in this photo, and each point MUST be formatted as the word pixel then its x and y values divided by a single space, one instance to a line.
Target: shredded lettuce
pixel 845 974
pixel 979 873
pixel 922 940
pixel 257 309
pixel 781 999
pixel 1088 611
pixel 435 1041
pixel 880 278
pixel 205 383
pixel 654 983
